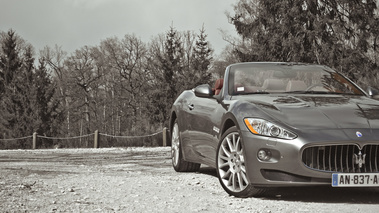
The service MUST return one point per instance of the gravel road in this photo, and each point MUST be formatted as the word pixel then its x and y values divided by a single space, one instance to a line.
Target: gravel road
pixel 142 180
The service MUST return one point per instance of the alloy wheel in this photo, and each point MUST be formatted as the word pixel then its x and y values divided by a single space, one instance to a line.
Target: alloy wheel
pixel 175 144
pixel 231 163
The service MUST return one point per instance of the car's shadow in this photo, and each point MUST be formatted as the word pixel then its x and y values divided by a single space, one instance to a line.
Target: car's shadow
pixel 208 170
pixel 321 194
pixel 325 194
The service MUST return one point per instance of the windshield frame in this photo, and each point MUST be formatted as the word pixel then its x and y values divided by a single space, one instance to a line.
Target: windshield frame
pixel 304 75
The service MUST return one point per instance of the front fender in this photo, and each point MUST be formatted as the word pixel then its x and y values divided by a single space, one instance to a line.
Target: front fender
pixel 237 112
pixel 179 107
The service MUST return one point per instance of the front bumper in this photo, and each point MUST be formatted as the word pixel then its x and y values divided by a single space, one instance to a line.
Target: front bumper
pixel 285 166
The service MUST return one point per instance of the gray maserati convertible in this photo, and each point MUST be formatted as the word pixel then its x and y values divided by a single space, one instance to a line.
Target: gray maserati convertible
pixel 278 124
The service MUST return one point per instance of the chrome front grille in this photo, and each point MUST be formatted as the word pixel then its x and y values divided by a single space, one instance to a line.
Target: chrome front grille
pixel 342 158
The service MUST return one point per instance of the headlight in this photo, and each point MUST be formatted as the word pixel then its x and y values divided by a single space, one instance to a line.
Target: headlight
pixel 266 128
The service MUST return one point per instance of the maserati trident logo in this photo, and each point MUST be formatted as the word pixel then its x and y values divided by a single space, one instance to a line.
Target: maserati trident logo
pixel 359 159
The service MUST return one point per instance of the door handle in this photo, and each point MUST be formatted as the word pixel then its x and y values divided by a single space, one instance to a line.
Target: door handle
pixel 191 106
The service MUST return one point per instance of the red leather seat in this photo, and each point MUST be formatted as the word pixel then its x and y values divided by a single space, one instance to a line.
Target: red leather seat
pixel 218 86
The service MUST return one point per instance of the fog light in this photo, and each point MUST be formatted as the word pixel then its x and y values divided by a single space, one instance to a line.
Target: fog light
pixel 264 155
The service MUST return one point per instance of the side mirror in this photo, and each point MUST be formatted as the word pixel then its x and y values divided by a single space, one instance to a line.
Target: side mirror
pixel 204 91
pixel 373 92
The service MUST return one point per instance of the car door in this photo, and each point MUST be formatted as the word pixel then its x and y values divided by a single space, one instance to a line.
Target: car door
pixel 204 125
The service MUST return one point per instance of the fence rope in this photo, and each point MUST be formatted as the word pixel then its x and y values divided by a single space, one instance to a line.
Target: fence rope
pixel 67 138
pixel 13 139
pixel 128 137
pixel 77 137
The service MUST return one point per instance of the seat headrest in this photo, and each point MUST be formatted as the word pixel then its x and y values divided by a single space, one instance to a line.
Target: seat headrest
pixel 273 85
pixel 296 86
pixel 218 86
pixel 219 83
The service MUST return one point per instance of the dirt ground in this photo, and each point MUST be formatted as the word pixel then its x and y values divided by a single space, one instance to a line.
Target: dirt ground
pixel 142 180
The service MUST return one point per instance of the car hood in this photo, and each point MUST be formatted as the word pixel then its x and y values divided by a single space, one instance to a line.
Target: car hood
pixel 319 112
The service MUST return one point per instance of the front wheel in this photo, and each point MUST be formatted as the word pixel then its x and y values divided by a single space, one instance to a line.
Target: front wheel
pixel 231 169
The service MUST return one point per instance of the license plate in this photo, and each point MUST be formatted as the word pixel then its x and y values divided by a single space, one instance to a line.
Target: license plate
pixel 354 179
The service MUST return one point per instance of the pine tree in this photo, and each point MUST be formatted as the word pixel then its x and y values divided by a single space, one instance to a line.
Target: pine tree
pixel 201 60
pixel 171 62
pixel 47 117
pixel 168 76
pixel 10 62
pixel 10 103
pixel 17 104
pixel 27 104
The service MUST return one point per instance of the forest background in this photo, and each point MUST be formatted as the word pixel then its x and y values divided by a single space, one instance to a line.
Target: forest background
pixel 124 86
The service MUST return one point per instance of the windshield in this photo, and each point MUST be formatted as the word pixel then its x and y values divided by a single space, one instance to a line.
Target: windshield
pixel 258 78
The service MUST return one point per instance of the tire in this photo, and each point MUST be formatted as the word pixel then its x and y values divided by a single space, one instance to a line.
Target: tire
pixel 230 166
pixel 178 163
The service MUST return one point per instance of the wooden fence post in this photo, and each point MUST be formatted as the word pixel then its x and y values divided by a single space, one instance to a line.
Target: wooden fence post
pixel 164 137
pixel 34 140
pixel 96 140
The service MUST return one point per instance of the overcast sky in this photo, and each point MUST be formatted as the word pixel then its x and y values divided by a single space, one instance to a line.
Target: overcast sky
pixel 72 24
